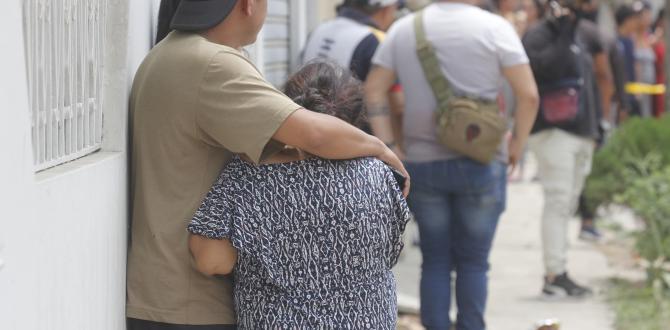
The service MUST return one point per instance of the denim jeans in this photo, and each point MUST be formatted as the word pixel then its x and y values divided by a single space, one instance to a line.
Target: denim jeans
pixel 457 204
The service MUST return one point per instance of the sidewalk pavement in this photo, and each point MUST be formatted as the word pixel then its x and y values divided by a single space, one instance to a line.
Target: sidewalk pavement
pixel 516 272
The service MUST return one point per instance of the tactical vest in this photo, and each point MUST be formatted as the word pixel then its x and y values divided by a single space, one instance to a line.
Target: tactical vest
pixel 337 40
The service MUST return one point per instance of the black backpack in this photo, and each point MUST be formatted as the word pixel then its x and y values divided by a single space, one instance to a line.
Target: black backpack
pixel 556 60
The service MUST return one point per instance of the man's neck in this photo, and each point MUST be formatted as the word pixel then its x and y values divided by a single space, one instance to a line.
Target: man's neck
pixel 222 41
pixel 224 35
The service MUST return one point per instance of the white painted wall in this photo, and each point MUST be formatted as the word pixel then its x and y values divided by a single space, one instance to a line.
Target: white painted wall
pixel 63 231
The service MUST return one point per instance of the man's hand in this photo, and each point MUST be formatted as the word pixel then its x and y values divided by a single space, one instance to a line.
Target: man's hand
pixel 391 158
pixel 331 138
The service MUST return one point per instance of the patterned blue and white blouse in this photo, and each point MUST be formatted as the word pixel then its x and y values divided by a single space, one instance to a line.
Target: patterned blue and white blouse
pixel 316 241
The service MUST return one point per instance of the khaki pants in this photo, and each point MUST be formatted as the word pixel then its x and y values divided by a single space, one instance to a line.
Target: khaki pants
pixel 564 162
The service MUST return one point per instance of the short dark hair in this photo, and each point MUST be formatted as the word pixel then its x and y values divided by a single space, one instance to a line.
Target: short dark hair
pixel 325 87
pixel 165 14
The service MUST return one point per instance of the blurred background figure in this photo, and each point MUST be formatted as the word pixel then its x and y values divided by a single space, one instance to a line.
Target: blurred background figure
pixel 627 17
pixel 569 63
pixel 351 40
pixel 645 57
pixel 590 36
pixel 528 14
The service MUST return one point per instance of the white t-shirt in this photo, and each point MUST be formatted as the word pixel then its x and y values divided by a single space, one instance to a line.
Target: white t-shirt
pixel 472 45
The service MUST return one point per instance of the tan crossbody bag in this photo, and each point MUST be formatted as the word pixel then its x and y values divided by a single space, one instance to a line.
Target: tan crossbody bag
pixel 473 128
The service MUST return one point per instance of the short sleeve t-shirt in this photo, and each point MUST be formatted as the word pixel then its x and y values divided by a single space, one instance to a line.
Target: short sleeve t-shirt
pixel 193 104
pixel 472 45
pixel 591 37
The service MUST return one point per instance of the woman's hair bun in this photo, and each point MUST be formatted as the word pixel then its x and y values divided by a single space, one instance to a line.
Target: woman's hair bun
pixel 325 87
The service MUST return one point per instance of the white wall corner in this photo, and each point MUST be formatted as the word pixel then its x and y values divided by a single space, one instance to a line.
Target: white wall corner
pixel 115 88
pixel 299 31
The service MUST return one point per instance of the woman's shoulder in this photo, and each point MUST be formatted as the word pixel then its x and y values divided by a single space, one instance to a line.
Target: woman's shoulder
pixel 241 170
pixel 370 163
pixel 373 168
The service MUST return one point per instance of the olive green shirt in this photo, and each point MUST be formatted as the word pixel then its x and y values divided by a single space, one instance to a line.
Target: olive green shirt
pixel 193 104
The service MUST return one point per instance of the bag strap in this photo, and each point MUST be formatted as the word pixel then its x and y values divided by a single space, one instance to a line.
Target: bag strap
pixel 431 65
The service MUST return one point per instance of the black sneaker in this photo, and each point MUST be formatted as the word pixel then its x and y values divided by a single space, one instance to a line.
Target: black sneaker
pixel 564 286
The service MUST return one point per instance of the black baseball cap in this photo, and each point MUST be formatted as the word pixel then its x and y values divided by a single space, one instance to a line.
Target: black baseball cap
pixel 197 15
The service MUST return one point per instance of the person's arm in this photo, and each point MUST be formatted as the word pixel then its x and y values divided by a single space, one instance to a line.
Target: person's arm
pixel 397 103
pixel 212 256
pixel 329 137
pixel 605 82
pixel 520 78
pixel 241 112
pixel 377 86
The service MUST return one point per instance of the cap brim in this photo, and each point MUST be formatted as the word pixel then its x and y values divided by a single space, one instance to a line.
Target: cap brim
pixel 201 15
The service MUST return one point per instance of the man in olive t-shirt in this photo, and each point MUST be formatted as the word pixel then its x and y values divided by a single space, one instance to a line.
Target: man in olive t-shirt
pixel 196 100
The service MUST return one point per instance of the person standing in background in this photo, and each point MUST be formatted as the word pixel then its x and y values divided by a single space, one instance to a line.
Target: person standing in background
pixel 351 40
pixel 621 105
pixel 592 39
pixel 659 50
pixel 627 17
pixel 565 132
pixel 645 58
pixel 456 201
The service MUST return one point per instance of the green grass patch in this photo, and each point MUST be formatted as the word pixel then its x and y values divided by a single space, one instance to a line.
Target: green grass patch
pixel 636 307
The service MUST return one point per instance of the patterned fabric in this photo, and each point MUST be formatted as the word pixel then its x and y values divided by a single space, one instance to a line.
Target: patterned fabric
pixel 317 240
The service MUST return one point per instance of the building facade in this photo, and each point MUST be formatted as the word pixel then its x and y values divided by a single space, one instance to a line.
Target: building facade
pixel 67 68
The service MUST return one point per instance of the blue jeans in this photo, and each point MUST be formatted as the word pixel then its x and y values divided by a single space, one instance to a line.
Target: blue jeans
pixel 457 204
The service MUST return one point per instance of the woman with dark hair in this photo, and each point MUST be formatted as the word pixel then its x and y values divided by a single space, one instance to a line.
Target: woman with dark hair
pixel 311 242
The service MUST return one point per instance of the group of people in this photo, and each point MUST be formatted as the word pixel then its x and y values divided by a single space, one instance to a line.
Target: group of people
pixel 589 82
pixel 635 49
pixel 255 208
pixel 641 45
